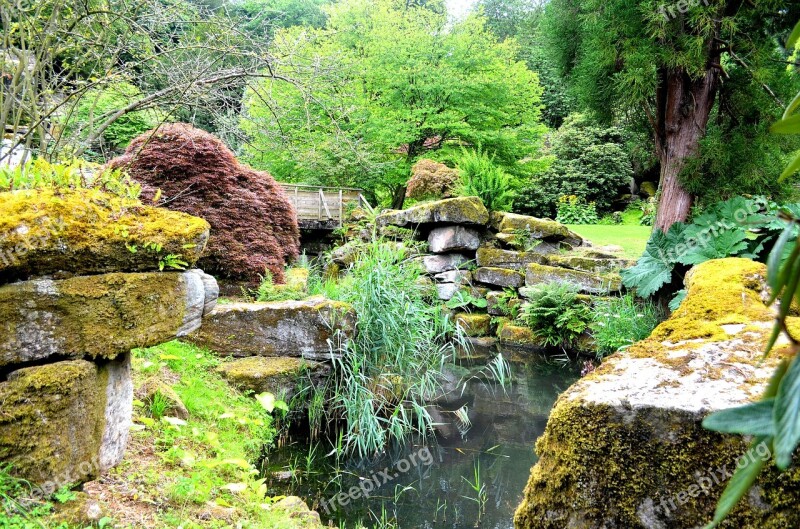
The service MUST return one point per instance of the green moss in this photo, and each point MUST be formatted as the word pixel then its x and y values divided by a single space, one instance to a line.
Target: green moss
pixel 277 375
pixel 461 210
pixel 519 336
pixel 474 324
pixel 87 231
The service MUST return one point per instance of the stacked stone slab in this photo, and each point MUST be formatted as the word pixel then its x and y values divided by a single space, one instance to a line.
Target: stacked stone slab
pixel 86 290
pixel 502 255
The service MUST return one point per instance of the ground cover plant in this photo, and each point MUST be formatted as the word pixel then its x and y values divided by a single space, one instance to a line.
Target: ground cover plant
pixel 622 321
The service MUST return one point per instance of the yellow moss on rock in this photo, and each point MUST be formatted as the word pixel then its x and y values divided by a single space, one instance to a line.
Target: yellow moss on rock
pixel 461 210
pixel 87 231
pixel 277 375
pixel 474 324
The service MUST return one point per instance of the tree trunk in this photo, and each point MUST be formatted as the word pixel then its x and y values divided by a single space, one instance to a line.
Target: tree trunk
pixel 399 197
pixel 684 108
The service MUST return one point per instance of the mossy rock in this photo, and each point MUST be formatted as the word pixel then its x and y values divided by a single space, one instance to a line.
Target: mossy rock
pixel 99 316
pixel 280 376
pixel 65 422
pixel 90 232
pixel 585 282
pixel 283 328
pixel 494 257
pixel 544 229
pixel 499 277
pixel 625 446
pixel 460 211
pixel 519 336
pixel 154 386
pixel 584 263
pixel 474 324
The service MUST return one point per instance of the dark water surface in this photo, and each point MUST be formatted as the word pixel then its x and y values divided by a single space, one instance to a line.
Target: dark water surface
pixel 473 475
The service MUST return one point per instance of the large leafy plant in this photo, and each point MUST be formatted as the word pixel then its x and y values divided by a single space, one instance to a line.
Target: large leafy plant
pixel 556 314
pixel 739 227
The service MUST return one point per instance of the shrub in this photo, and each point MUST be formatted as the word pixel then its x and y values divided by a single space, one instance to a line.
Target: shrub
pixel 431 180
pixel 575 210
pixel 620 322
pixel 590 162
pixel 480 177
pixel 253 224
pixel 556 314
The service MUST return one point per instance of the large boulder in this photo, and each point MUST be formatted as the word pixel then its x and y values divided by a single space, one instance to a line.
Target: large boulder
pixel 65 422
pixel 461 210
pixel 453 238
pixel 305 328
pixel 539 228
pixel 87 231
pixel 624 447
pixel 585 282
pixel 100 316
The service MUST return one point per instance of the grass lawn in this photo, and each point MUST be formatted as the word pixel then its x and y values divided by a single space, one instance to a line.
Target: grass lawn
pixel 632 238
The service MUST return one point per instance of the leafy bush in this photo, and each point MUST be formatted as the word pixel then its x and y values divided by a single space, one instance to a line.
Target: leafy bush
pixel 77 174
pixel 431 180
pixel 391 368
pixel 482 178
pixel 556 314
pixel 739 227
pixel 620 322
pixel 590 162
pixel 253 224
pixel 648 208
pixel 575 210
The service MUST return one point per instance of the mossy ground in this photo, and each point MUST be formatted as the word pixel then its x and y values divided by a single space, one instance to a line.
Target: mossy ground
pixel 192 474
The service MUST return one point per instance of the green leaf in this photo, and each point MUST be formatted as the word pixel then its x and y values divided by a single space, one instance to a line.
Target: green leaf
pixel 739 484
pixel 677 299
pixel 791 42
pixel 725 244
pixel 794 105
pixel 790 125
pixel 787 416
pixel 775 257
pixel 648 275
pixel 751 419
pixel 792 168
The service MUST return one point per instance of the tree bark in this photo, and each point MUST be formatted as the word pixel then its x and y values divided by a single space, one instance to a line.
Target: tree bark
pixel 684 107
pixel 399 197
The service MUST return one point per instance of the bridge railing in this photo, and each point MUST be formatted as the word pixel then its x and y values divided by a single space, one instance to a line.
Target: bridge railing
pixel 323 207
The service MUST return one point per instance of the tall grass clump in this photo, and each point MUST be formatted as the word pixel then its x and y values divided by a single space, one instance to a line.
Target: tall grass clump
pixel 481 177
pixel 620 322
pixel 393 365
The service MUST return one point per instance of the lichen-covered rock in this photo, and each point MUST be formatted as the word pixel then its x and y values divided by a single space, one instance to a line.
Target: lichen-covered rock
pixel 453 239
pixel 283 328
pixel 65 422
pixel 539 228
pixel 461 210
pixel 298 514
pixel 154 388
pixel 436 264
pixel 585 263
pixel 518 243
pixel 495 257
pixel 500 277
pixel 280 376
pixel 624 447
pixel 90 232
pixel 519 336
pixel 100 316
pixel 585 282
pixel 474 324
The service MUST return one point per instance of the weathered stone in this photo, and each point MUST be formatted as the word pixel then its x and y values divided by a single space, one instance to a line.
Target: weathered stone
pixel 436 264
pixel 461 277
pixel 284 328
pixel 625 447
pixel 513 241
pixel 596 265
pixel 280 376
pixel 507 259
pixel 87 231
pixel 297 511
pixel 474 324
pixel 99 316
pixel 519 336
pixel 648 188
pixel 453 238
pixel 461 210
pixel 584 281
pixel 446 291
pixel 65 422
pixel 500 277
pixel 81 511
pixel 539 228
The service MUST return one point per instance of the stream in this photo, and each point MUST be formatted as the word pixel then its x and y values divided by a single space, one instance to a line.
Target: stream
pixel 472 475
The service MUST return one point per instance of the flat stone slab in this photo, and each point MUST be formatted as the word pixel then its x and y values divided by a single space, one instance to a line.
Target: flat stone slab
pixel 500 277
pixel 585 282
pixel 280 376
pixel 587 263
pixel 453 238
pixel 507 259
pixel 436 264
pixel 100 316
pixel 86 231
pixel 65 422
pixel 545 229
pixel 305 328
pixel 624 446
pixel 462 210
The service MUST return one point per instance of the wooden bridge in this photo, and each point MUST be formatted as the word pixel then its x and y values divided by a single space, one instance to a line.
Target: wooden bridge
pixel 323 208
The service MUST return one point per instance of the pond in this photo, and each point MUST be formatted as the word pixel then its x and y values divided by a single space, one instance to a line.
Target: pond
pixel 472 475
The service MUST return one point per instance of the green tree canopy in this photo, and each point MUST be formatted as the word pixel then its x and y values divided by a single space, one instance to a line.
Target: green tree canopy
pixel 383 84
